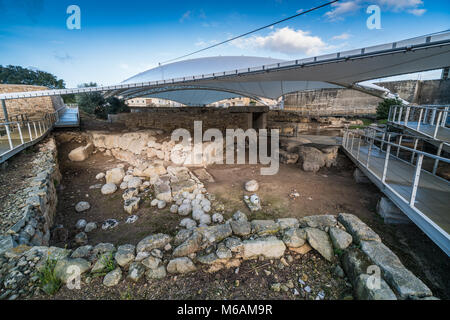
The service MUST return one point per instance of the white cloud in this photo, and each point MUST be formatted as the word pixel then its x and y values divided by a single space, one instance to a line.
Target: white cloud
pixel 417 12
pixel 343 36
pixel 185 16
pixel 340 9
pixel 285 40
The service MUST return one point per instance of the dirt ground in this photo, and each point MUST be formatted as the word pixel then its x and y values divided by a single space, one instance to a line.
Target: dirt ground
pixel 330 191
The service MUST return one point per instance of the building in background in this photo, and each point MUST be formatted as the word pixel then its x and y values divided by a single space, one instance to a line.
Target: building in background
pixel 151 102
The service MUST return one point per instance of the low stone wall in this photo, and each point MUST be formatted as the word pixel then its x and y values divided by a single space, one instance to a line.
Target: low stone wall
pixel 33 107
pixel 169 119
pixel 31 226
pixel 345 241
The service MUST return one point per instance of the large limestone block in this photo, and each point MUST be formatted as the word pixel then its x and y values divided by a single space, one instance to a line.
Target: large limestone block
pixel 320 241
pixel 156 241
pixel 115 176
pixel 269 247
pixel 311 159
pixel 366 290
pixel 403 281
pixel 358 229
pixel 81 153
pixel 181 265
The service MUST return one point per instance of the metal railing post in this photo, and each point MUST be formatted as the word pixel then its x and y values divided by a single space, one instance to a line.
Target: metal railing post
pixel 420 119
pixel 399 145
pixel 437 125
pixel 20 132
pixel 8 133
pixel 353 139
pixel 408 110
pixel 359 148
pixel 416 181
pixel 400 115
pixel 369 151
pixel 35 130
pixel 433 116
pixel 386 161
pixel 416 142
pixel 394 113
pixel 436 162
pixel 29 131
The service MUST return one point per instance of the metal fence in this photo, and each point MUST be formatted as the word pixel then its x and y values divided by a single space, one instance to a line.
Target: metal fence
pixel 427 120
pixel 18 135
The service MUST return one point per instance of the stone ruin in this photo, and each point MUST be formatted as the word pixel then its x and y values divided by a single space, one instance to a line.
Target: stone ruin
pixel 205 243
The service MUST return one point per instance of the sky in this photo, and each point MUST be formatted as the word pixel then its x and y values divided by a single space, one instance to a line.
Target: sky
pixel 119 39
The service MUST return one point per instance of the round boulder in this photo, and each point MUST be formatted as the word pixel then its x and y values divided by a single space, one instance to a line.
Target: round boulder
pixel 252 186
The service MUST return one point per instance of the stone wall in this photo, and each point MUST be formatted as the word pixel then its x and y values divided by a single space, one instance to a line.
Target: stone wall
pixel 293 123
pixel 331 102
pixel 33 107
pixel 347 102
pixel 348 244
pixel 31 226
pixel 169 119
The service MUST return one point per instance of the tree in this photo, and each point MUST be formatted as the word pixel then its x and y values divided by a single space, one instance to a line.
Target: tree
pixel 94 103
pixel 18 75
pixel 384 107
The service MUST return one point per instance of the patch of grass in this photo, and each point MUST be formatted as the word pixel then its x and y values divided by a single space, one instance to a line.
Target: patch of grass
pixel 108 261
pixel 127 295
pixel 48 281
pixel 338 252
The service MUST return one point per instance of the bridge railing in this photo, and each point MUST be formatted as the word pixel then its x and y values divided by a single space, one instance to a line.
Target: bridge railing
pixel 355 140
pixel 420 118
pixel 18 135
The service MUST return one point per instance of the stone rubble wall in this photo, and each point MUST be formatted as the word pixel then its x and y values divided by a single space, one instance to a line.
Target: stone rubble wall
pixel 345 241
pixel 170 119
pixel 33 107
pixel 292 123
pixel 37 216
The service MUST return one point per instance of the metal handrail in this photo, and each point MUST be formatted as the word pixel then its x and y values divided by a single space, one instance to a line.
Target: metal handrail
pixel 392 144
pixel 436 116
pixel 36 129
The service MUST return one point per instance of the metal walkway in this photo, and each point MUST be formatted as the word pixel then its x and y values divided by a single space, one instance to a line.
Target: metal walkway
pixel 68 118
pixel 16 136
pixel 411 184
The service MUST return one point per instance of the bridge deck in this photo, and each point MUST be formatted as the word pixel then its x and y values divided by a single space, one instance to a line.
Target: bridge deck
pixel 70 118
pixel 433 194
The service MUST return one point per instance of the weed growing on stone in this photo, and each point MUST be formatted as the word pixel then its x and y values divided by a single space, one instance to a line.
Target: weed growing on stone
pixel 48 281
pixel 109 264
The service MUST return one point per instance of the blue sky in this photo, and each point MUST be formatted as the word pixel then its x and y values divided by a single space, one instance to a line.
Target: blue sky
pixel 121 38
